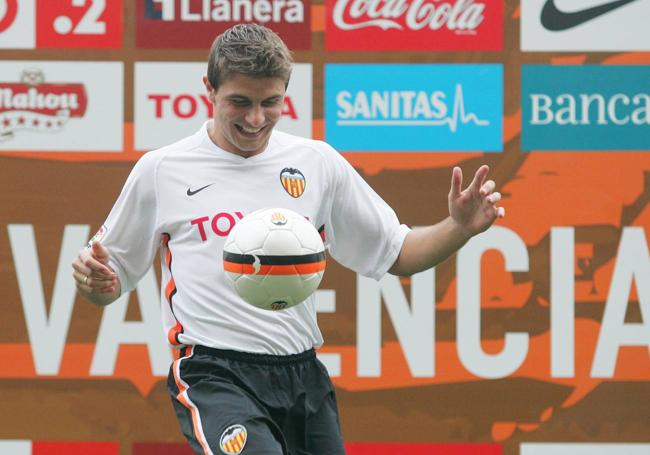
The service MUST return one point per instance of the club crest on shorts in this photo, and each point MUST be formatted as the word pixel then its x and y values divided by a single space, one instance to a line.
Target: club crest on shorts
pixel 233 439
pixel 293 181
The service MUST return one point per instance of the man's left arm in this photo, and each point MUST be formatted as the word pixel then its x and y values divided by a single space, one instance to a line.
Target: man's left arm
pixel 471 211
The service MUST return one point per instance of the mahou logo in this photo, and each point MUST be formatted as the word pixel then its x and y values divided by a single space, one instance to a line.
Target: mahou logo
pixel 34 105
pixel 414 24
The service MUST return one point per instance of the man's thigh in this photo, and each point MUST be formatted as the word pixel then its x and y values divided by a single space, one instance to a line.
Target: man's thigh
pixel 217 417
pixel 324 431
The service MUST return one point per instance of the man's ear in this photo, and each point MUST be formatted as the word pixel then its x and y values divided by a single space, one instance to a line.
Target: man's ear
pixel 209 89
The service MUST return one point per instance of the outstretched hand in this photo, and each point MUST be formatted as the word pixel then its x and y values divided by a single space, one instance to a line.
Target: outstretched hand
pixel 474 209
pixel 91 271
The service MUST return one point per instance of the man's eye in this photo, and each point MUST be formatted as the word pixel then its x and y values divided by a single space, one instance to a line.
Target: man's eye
pixel 240 102
pixel 271 102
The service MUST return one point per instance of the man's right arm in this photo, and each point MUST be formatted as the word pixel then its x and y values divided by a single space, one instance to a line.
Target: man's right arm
pixel 94 278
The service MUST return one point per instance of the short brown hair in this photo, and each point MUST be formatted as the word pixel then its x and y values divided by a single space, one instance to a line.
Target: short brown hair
pixel 249 49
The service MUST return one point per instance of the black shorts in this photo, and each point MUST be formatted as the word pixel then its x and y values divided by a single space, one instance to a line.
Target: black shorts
pixel 233 402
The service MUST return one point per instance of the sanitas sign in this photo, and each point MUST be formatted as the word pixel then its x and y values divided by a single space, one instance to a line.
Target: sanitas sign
pixel 414 107
pixel 586 107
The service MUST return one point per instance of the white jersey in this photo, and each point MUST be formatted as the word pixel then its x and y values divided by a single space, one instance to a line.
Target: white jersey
pixel 186 197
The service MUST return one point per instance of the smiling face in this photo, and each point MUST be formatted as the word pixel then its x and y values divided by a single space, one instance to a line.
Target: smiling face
pixel 245 111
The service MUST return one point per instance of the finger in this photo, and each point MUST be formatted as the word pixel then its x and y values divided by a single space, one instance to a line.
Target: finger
pixel 98 285
pixel 95 267
pixel 100 252
pixel 77 266
pixel 488 187
pixel 494 197
pixel 500 211
pixel 456 182
pixel 479 178
pixel 93 284
pixel 79 277
pixel 93 290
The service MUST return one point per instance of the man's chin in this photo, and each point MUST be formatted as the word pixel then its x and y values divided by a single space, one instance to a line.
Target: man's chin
pixel 250 148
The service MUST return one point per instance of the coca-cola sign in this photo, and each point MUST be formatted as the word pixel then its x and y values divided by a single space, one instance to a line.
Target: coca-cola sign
pixel 414 25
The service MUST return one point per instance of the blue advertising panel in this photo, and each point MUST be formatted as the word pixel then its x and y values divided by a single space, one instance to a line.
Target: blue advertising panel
pixel 585 107
pixel 414 107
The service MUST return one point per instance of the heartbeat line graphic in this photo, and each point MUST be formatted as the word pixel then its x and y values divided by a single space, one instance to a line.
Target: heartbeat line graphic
pixel 458 115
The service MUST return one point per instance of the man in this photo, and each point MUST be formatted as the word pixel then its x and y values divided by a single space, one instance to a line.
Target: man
pixel 247 380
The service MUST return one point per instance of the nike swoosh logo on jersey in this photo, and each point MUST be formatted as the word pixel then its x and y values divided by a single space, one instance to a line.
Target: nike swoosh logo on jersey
pixel 557 20
pixel 191 192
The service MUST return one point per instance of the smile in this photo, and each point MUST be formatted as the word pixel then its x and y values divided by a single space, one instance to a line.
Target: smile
pixel 249 132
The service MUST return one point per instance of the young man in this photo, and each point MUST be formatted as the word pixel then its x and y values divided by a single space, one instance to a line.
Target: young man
pixel 247 380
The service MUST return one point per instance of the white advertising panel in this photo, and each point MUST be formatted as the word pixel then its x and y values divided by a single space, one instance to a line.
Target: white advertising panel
pixel 584 449
pixel 16 447
pixel 61 106
pixel 585 25
pixel 17 24
pixel 171 102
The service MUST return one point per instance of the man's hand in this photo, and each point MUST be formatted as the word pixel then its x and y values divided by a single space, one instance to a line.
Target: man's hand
pixel 94 279
pixel 474 209
pixel 471 211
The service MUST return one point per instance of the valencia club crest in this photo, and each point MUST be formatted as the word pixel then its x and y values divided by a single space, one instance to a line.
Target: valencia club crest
pixel 233 440
pixel 293 181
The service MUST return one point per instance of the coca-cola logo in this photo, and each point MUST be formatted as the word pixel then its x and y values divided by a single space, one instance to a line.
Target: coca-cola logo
pixel 460 16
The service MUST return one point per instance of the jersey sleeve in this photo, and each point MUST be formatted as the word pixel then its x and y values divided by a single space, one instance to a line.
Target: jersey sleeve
pixel 130 231
pixel 363 232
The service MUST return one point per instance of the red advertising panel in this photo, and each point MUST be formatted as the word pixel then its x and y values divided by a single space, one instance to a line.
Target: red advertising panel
pixel 354 448
pixel 441 25
pixel 75 448
pixel 423 449
pixel 193 24
pixel 161 448
pixel 79 24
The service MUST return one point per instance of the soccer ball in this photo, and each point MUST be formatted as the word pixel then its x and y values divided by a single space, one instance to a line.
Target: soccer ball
pixel 274 258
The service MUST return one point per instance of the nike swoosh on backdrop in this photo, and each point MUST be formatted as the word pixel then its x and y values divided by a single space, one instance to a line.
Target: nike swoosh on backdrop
pixel 556 20
pixel 192 193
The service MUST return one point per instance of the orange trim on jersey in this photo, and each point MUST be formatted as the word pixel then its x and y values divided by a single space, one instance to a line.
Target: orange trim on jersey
pixel 170 290
pixel 172 334
pixel 184 399
pixel 249 269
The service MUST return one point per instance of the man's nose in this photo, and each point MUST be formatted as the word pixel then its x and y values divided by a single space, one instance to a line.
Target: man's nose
pixel 255 116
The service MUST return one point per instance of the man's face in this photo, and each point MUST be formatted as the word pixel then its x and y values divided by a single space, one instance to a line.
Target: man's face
pixel 245 111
